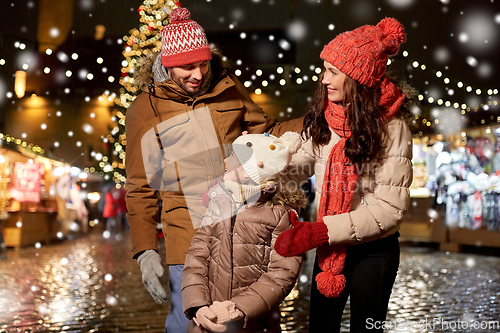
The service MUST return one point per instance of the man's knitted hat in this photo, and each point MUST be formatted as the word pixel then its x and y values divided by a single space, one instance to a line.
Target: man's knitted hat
pixel 362 53
pixel 183 41
pixel 264 156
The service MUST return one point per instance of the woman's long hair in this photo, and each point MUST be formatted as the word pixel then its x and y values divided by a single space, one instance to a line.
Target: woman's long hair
pixel 364 117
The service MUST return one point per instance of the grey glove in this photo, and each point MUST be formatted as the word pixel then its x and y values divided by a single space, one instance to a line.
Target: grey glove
pixel 152 270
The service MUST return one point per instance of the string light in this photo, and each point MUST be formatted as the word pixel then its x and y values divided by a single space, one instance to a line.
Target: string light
pixel 23 144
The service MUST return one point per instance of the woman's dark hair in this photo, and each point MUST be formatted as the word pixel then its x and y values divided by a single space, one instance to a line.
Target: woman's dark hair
pixel 364 119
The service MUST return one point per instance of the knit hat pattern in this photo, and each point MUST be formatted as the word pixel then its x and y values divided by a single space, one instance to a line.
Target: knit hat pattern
pixel 183 41
pixel 264 156
pixel 362 53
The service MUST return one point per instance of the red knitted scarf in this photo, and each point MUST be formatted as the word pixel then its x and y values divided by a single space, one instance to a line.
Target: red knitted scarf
pixel 339 184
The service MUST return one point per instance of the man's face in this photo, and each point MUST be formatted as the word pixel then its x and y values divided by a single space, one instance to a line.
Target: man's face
pixel 190 77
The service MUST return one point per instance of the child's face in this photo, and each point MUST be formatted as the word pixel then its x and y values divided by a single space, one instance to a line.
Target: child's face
pixel 234 169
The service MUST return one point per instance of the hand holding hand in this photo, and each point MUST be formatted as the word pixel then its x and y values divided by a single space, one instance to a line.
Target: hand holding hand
pixel 206 319
pixel 152 270
pixel 226 312
pixel 304 236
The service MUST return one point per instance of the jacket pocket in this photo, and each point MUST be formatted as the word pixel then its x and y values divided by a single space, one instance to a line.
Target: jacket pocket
pixel 230 105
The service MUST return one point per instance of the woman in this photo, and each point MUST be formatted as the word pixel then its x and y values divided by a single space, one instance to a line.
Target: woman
pixel 359 146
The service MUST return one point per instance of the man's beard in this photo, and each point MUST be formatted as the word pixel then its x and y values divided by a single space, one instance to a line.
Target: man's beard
pixel 202 89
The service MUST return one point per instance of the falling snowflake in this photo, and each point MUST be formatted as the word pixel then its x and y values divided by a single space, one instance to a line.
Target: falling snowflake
pixel 442 54
pixel 471 61
pixel 420 285
pixel 63 57
pixel 111 300
pixel 237 14
pixel 86 4
pixel 470 262
pixel 297 30
pixel 451 120
pixel 478 31
pixel 54 32
pixel 87 128
pixel 432 213
pixel 400 3
pixel 82 73
pixel 485 70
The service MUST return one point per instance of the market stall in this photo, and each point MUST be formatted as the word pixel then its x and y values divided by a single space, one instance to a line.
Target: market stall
pixel 39 199
pixel 456 190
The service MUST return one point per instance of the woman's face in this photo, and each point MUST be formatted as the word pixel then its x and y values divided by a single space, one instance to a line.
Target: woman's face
pixel 334 80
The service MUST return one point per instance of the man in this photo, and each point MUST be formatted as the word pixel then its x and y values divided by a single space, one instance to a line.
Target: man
pixel 177 131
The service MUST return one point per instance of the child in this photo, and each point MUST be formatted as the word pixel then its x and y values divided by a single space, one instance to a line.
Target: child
pixel 233 280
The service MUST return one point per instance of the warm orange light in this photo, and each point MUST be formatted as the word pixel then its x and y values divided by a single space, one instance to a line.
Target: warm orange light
pixel 99 31
pixel 20 84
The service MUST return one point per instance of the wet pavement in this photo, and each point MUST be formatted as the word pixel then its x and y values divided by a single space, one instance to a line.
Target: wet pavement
pixel 91 284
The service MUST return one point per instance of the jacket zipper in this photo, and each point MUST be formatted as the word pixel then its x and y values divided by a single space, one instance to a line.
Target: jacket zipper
pixel 233 222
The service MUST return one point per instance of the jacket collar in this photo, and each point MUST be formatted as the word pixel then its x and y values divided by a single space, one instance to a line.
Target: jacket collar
pixel 166 88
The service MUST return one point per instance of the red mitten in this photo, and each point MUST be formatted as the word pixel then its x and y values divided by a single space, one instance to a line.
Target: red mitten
pixel 304 236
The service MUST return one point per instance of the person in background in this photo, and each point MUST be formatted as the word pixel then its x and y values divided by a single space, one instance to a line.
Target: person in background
pixel 122 210
pixel 360 147
pixel 110 211
pixel 233 280
pixel 189 100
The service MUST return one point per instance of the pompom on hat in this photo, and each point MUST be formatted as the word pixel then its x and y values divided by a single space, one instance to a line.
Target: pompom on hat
pixel 183 41
pixel 362 53
pixel 264 156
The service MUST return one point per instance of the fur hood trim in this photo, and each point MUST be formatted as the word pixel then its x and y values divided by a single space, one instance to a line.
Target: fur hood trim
pixel 287 195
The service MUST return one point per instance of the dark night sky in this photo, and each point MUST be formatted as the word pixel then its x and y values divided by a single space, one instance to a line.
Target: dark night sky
pixel 431 25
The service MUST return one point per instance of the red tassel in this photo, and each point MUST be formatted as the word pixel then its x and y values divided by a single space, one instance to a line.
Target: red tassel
pixel 330 285
pixel 331 261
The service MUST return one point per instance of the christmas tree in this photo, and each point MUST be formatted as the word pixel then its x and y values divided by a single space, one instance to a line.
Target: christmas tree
pixel 142 41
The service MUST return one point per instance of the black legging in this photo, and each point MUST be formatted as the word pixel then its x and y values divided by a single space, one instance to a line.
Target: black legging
pixel 370 270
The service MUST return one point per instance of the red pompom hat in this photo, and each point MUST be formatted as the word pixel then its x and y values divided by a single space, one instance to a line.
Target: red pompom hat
pixel 183 41
pixel 362 53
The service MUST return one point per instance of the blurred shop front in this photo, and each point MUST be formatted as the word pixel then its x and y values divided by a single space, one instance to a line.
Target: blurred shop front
pixel 40 199
pixel 456 189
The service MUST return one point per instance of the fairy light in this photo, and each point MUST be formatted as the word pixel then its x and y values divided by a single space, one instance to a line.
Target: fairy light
pixel 464 108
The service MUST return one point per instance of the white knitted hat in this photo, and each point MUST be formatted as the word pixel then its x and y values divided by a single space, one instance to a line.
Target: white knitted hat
pixel 263 156
pixel 183 41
